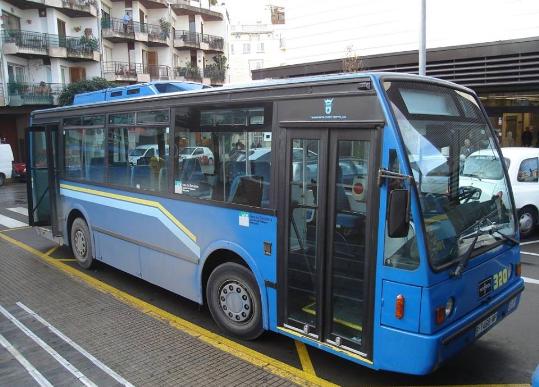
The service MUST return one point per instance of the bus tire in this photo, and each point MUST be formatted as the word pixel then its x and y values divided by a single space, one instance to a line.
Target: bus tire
pixel 527 219
pixel 234 301
pixel 81 244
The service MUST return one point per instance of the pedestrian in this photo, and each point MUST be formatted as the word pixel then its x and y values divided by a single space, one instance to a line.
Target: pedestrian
pixel 127 21
pixel 527 137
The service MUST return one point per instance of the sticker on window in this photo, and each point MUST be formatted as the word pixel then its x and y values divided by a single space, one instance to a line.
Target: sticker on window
pixel 244 219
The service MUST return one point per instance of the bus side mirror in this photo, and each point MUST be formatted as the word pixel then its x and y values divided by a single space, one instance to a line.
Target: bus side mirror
pixel 398 220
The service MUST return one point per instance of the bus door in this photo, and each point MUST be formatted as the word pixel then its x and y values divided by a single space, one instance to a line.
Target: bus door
pixel 328 234
pixel 41 177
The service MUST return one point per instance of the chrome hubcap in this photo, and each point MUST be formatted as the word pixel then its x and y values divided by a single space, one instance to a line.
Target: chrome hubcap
pixel 80 243
pixel 235 301
pixel 525 222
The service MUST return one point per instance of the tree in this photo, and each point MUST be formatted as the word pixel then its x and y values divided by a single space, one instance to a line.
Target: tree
pixel 94 84
pixel 351 62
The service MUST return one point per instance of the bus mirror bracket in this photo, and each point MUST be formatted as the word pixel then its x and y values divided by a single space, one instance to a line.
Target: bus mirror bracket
pixel 387 174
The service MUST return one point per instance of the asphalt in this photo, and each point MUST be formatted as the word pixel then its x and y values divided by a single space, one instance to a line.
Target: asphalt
pixel 508 354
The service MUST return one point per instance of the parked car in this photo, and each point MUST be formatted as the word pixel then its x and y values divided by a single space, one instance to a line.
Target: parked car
pixel 523 170
pixel 19 171
pixel 144 151
pixel 6 163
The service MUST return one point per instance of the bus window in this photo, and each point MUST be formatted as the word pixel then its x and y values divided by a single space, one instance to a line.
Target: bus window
pixel 84 154
pixel 232 167
pixel 137 158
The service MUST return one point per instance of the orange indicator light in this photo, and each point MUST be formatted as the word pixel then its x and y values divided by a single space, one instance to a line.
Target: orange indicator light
pixel 399 307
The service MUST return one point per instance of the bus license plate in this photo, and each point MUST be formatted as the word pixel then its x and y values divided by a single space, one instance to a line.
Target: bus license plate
pixel 486 324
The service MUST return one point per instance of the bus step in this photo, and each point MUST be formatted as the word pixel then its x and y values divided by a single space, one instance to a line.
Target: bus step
pixel 46 232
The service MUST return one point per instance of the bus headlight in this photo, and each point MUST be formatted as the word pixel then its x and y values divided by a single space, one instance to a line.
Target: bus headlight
pixel 443 312
pixel 449 306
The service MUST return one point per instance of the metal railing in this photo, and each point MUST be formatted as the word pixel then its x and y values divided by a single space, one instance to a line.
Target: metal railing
pixel 37 41
pixel 22 93
pixel 124 69
pixel 156 32
pixel 190 73
pixel 79 4
pixel 216 74
pixel 188 37
pixel 121 26
pixel 215 42
pixel 158 72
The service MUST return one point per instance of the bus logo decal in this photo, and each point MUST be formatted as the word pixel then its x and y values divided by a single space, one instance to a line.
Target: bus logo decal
pixel 328 104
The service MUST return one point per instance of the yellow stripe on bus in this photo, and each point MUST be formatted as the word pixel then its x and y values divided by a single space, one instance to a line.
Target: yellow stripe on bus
pixel 130 199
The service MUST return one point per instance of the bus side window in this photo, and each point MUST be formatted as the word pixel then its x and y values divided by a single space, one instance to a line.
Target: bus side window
pixel 84 154
pixel 401 253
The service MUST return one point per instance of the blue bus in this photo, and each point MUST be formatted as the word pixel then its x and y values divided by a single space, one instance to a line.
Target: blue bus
pixel 332 209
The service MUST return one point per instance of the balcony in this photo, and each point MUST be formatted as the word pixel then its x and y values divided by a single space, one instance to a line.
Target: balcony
pixel 42 93
pixel 157 35
pixel 79 8
pixel 126 72
pixel 151 4
pixel 159 72
pixel 71 8
pixel 35 44
pixel 188 73
pixel 117 31
pixel 215 74
pixel 183 7
pixel 186 40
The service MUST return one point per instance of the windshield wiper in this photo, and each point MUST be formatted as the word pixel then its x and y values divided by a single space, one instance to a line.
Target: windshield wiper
pixel 457 272
pixel 472 175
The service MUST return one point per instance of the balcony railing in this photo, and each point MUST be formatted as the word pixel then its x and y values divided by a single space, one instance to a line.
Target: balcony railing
pixel 39 43
pixel 81 5
pixel 215 42
pixel 190 73
pixel 156 33
pixel 122 27
pixel 194 39
pixel 33 93
pixel 124 69
pixel 216 74
pixel 158 72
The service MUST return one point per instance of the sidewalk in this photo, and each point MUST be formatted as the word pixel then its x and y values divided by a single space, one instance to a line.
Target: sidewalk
pixel 143 350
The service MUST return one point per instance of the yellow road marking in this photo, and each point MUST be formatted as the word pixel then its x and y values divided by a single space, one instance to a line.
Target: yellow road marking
pixel 258 359
pixel 51 250
pixel 304 358
pixel 15 229
pixel 66 259
pixel 130 199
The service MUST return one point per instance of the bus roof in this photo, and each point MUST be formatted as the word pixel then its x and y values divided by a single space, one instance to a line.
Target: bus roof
pixel 262 84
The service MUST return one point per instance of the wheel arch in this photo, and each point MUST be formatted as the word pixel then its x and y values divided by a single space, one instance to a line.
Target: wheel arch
pixel 222 252
pixel 78 211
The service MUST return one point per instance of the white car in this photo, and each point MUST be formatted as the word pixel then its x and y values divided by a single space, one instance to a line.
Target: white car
pixel 6 162
pixel 523 170
pixel 147 151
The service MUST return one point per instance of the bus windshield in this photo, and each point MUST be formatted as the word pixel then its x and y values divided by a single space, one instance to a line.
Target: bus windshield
pixel 456 167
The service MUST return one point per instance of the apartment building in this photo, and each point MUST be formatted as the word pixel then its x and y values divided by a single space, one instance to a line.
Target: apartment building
pixel 256 43
pixel 47 44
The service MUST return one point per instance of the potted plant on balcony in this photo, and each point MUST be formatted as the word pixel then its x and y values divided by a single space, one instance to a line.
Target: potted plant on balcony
pixel 165 28
pixel 89 43
pixel 192 73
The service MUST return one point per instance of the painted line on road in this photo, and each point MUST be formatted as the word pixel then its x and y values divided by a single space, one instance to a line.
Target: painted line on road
pixel 19 210
pixel 59 358
pixel 304 357
pixel 530 280
pixel 527 253
pixel 90 357
pixel 10 222
pixel 66 259
pixel 528 243
pixel 52 250
pixel 34 373
pixel 249 355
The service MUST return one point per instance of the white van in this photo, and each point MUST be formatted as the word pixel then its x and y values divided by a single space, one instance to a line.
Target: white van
pixel 6 162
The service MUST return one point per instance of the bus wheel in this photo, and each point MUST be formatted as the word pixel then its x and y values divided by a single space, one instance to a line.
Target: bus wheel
pixel 234 301
pixel 81 243
pixel 527 218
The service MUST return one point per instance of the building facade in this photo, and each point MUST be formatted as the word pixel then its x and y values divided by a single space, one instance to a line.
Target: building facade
pixel 256 44
pixel 47 44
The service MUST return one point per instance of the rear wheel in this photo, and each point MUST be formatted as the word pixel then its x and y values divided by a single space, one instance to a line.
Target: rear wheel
pixel 234 301
pixel 527 219
pixel 81 243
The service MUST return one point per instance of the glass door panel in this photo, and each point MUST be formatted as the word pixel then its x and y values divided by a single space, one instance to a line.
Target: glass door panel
pixel 348 244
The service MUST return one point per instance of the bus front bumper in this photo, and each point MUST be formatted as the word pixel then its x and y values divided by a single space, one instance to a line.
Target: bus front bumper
pixel 425 353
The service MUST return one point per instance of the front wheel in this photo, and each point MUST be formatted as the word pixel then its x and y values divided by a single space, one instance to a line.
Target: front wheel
pixel 234 301
pixel 527 219
pixel 81 243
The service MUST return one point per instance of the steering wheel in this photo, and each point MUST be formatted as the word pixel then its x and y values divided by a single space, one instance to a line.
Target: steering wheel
pixel 466 193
